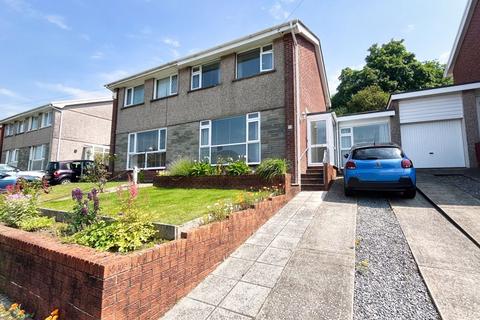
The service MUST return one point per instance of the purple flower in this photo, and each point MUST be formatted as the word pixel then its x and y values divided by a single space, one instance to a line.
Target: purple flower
pixel 84 210
pixel 90 196
pixel 77 194
pixel 96 204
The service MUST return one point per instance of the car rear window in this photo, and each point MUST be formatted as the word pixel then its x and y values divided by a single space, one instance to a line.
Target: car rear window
pixel 377 153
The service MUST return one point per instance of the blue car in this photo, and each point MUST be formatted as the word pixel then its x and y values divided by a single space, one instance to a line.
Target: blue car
pixel 379 167
pixel 10 180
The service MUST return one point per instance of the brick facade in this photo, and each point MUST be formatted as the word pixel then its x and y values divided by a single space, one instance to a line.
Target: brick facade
pixel 85 284
pixel 471 125
pixel 467 63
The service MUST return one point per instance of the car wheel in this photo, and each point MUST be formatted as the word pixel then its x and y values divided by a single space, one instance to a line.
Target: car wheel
pixel 65 181
pixel 410 194
pixel 348 192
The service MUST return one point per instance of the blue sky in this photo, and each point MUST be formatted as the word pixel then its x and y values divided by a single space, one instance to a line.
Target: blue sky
pixel 52 50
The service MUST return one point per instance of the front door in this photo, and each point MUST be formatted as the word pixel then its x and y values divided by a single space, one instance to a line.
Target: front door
pixel 317 141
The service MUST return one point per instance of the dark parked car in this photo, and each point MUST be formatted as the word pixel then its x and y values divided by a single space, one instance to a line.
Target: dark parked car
pixel 379 167
pixel 63 172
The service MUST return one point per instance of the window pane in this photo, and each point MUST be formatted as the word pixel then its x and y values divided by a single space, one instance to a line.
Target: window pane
pixel 230 130
pixel 163 87
pixel 138 93
pixel 129 96
pixel 248 63
pixel 253 131
pixel 155 160
pixel 163 142
pixel 345 130
pixel 174 85
pixel 371 133
pixel 205 154
pixel 36 165
pixel 346 143
pixel 132 143
pixel 226 154
pixel 377 153
pixel 317 154
pixel 147 141
pixel 37 152
pixel 267 61
pixel 204 137
pixel 210 75
pixel 137 160
pixel 318 132
pixel 196 81
pixel 253 152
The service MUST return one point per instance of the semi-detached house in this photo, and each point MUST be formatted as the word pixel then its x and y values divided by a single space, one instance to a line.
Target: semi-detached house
pixel 245 99
pixel 61 130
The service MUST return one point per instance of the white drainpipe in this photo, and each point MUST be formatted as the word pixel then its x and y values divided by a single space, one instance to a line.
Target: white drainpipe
pixel 297 104
pixel 59 134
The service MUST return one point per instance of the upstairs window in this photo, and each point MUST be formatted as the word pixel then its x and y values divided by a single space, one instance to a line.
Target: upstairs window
pixel 134 95
pixel 254 61
pixel 21 126
pixel 166 87
pixel 46 119
pixel 147 149
pixel 204 76
pixel 33 123
pixel 9 130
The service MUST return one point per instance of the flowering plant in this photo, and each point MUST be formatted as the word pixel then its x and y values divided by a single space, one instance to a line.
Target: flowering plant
pixel 85 211
pixel 17 207
pixel 14 312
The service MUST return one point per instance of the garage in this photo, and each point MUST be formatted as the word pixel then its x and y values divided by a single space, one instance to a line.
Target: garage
pixel 432 130
pixel 436 144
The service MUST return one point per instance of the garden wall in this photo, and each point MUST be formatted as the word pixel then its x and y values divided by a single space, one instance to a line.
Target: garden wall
pixel 218 182
pixel 85 284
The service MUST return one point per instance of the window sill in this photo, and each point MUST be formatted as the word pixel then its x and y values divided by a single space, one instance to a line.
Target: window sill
pixel 133 105
pixel 255 75
pixel 204 88
pixel 164 98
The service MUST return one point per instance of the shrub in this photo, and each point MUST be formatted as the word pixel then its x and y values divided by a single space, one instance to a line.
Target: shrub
pixel 36 223
pixel 270 169
pixel 181 167
pixel 237 168
pixel 98 172
pixel 201 169
pixel 85 211
pixel 219 211
pixel 17 207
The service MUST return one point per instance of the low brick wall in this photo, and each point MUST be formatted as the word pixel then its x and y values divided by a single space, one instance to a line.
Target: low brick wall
pixel 218 182
pixel 44 274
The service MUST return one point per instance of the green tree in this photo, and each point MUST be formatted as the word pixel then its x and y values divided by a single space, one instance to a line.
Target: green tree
pixel 368 99
pixel 391 68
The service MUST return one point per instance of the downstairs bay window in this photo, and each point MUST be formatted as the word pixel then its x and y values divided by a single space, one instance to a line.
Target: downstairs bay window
pixel 147 149
pixel 231 139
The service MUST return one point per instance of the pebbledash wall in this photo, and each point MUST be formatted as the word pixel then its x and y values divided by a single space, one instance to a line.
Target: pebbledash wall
pixel 85 284
pixel 271 93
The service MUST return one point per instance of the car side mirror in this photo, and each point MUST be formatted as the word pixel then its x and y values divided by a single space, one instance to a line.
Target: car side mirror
pixel 345 155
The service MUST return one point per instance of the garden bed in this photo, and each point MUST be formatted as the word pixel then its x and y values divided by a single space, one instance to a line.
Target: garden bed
pixel 87 284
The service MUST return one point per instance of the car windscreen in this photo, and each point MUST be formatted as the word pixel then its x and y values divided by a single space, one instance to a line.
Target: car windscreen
pixel 377 153
pixel 52 166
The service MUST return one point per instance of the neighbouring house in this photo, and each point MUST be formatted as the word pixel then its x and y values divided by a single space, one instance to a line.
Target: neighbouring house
pixel 62 130
pixel 1 139
pixel 245 99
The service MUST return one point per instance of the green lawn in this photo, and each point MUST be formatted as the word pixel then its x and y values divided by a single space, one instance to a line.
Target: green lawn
pixel 65 190
pixel 167 205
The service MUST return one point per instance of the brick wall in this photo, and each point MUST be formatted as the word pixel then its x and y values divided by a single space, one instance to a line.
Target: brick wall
pixel 85 284
pixel 467 64
pixel 471 124
pixel 289 75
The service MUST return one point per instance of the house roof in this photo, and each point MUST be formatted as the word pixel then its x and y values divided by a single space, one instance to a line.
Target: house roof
pixel 259 37
pixel 465 22
pixel 366 115
pixel 432 91
pixel 54 104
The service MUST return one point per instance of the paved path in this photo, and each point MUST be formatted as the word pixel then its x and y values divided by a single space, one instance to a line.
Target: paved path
pixel 299 265
pixel 448 261
pixel 461 207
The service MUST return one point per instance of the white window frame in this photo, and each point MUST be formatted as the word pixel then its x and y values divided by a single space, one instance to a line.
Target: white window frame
pixel 11 157
pixel 21 126
pixel 262 52
pixel 9 130
pixel 32 153
pixel 342 148
pixel 170 91
pixel 48 115
pixel 125 102
pixel 196 73
pixel 30 123
pixel 207 124
pixel 105 150
pixel 135 148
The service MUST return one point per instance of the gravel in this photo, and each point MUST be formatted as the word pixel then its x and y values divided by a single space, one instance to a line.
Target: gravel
pixel 466 184
pixel 389 286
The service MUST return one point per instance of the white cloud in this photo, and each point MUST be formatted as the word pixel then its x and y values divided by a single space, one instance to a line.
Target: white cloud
pixel 444 57
pixel 70 92
pixel 111 76
pixel 333 81
pixel 59 21
pixel 97 55
pixel 172 42
pixel 278 12
pixel 409 28
pixel 8 93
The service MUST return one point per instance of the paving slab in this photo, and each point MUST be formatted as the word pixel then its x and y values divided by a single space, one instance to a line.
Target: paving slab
pixel 448 261
pixel 246 298
pixel 263 274
pixel 233 268
pixel 248 251
pixel 460 206
pixel 189 309
pixel 213 289
pixel 224 314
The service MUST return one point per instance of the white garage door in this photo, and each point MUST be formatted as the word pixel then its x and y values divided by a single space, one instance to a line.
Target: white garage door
pixel 436 144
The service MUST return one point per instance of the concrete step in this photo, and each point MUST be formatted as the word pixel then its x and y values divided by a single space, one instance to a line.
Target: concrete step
pixel 312 187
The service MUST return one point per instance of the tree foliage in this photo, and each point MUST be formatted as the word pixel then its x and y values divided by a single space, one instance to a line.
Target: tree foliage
pixel 389 68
